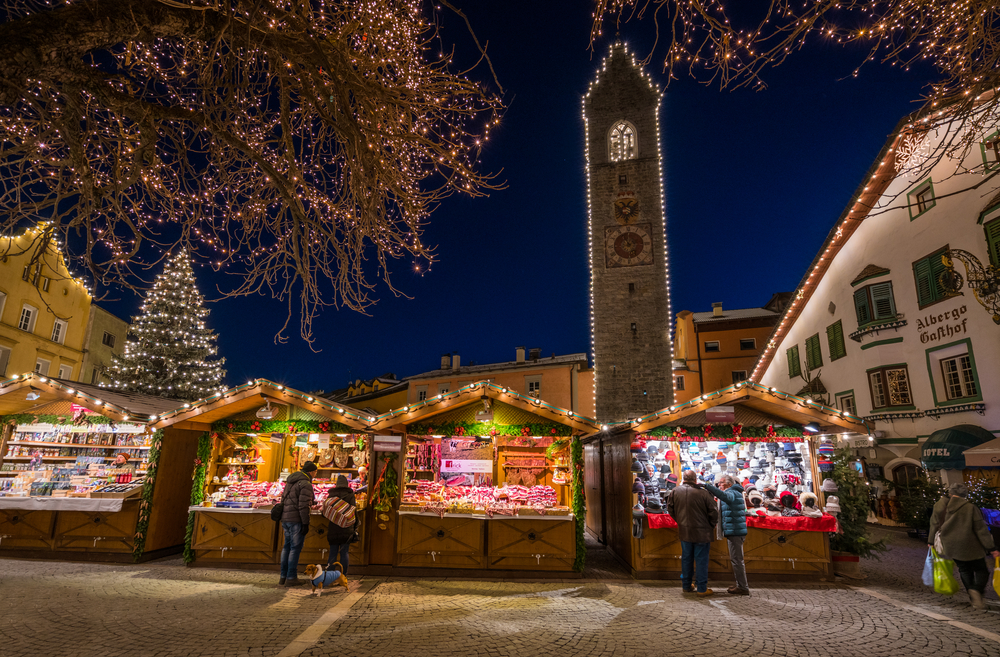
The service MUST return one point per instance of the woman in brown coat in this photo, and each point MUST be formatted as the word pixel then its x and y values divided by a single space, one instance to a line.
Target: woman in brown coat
pixel 965 539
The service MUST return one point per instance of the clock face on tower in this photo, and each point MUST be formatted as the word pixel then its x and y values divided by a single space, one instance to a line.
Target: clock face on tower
pixel 626 246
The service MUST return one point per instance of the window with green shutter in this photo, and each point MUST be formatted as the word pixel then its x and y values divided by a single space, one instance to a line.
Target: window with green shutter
pixel 927 276
pixel 875 303
pixel 993 241
pixel 835 340
pixel 814 357
pixel 794 366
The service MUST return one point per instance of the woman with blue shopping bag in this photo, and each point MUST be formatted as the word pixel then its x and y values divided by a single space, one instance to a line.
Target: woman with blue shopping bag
pixel 960 533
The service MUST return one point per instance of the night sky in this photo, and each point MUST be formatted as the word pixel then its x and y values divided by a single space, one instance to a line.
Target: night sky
pixel 754 182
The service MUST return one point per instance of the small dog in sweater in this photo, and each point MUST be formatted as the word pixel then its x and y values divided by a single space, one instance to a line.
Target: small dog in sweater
pixel 319 577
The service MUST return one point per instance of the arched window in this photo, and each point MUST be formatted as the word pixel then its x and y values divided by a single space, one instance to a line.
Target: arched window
pixel 622 142
pixel 906 474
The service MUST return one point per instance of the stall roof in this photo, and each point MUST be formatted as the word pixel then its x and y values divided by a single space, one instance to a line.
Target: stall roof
pixel 986 455
pixel 474 392
pixel 117 405
pixel 251 395
pixel 755 402
pixel 945 448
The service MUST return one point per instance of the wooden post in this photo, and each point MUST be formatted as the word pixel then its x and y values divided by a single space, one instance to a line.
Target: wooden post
pixel 817 488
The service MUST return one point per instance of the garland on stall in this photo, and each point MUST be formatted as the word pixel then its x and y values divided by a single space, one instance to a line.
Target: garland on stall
pixel 489 429
pixel 578 503
pixel 202 457
pixel 246 442
pixel 387 486
pixel 146 499
pixel 280 426
pixel 724 432
pixel 48 418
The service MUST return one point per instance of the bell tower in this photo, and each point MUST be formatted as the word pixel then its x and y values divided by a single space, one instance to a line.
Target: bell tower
pixel 629 290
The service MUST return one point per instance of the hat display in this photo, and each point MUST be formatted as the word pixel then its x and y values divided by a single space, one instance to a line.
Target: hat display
pixel 829 486
pixel 671 455
pixel 638 487
pixel 664 469
pixel 642 456
pixel 832 505
pixel 636 466
pixel 756 499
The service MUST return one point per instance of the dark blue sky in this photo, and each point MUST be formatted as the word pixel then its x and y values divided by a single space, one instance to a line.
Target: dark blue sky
pixel 754 181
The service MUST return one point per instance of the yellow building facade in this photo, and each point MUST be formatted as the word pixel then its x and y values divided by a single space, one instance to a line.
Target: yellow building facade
pixel 44 312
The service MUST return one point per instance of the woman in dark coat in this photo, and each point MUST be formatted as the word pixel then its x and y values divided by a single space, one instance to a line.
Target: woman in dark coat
pixel 965 538
pixel 340 537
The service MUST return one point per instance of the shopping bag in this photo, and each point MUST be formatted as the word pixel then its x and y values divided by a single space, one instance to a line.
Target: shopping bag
pixel 944 575
pixel 996 575
pixel 929 569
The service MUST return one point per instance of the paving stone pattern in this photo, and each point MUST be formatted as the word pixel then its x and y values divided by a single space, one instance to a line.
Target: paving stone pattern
pixel 164 608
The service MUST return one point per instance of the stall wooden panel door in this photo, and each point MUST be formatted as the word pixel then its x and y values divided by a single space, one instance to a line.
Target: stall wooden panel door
pixel 593 490
pixel 20 529
pixel 382 548
pixel 172 493
pixel 784 552
pixel 432 542
pixel 527 544
pixel 238 537
pixel 617 483
pixel 96 530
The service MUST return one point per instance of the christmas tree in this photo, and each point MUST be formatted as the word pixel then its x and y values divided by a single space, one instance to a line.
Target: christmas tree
pixel 168 347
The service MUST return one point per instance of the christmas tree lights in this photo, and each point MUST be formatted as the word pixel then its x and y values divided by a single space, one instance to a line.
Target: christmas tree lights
pixel 168 347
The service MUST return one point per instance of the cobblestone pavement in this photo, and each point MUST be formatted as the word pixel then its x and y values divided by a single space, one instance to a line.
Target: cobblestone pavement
pixel 163 608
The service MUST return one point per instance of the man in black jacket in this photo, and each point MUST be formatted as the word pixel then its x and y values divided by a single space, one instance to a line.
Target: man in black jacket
pixel 340 537
pixel 297 498
pixel 696 514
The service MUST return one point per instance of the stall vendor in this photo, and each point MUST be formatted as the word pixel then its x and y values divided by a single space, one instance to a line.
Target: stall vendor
pixel 362 480
pixel 121 462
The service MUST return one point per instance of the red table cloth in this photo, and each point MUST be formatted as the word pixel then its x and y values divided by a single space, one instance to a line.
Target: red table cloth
pixel 795 524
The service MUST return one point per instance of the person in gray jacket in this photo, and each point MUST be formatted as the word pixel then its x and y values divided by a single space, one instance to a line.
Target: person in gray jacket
pixel 965 539
pixel 297 499
pixel 734 527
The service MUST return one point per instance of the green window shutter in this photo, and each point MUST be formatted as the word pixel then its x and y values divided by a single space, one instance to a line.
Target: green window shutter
pixel 993 241
pixel 862 307
pixel 835 339
pixel 814 357
pixel 882 301
pixel 924 279
pixel 794 366
pixel 938 268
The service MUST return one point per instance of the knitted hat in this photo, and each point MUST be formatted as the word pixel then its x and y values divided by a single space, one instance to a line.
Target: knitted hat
pixel 342 481
pixel 636 466
pixel 638 487
pixel 642 456
pixel 808 499
pixel 755 496
pixel 309 466
pixel 670 455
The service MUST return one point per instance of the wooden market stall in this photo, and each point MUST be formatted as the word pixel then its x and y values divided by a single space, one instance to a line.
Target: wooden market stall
pixel 754 420
pixel 489 479
pixel 249 439
pixel 61 496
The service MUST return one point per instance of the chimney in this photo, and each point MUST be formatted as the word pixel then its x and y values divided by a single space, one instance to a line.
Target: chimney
pixel 519 351
pixel 445 361
pixel 456 362
pixel 717 309
pixel 535 354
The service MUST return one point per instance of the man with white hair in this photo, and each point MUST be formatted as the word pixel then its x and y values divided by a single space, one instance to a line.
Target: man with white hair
pixel 734 527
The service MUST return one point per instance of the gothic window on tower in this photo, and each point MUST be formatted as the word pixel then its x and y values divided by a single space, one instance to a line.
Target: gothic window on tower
pixel 622 142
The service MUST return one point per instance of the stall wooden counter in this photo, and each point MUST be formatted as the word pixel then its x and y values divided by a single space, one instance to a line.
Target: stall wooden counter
pixel 232 537
pixel 778 553
pixel 478 542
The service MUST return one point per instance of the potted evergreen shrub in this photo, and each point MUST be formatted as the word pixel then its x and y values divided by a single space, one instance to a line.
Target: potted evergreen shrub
pixel 852 543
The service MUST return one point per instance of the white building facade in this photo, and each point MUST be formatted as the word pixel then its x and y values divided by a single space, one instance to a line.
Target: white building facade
pixel 877 318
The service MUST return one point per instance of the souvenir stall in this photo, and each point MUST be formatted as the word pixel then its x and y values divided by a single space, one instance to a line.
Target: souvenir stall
pixel 752 433
pixel 483 478
pixel 83 477
pixel 250 438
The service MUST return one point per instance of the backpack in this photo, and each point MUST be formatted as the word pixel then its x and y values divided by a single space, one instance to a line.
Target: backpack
pixel 278 509
pixel 339 512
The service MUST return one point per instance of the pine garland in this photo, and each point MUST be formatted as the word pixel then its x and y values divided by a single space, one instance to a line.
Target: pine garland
pixel 281 426
pixel 578 503
pixel 724 432
pixel 169 347
pixel 197 489
pixel 146 500
pixel 48 418
pixel 489 429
